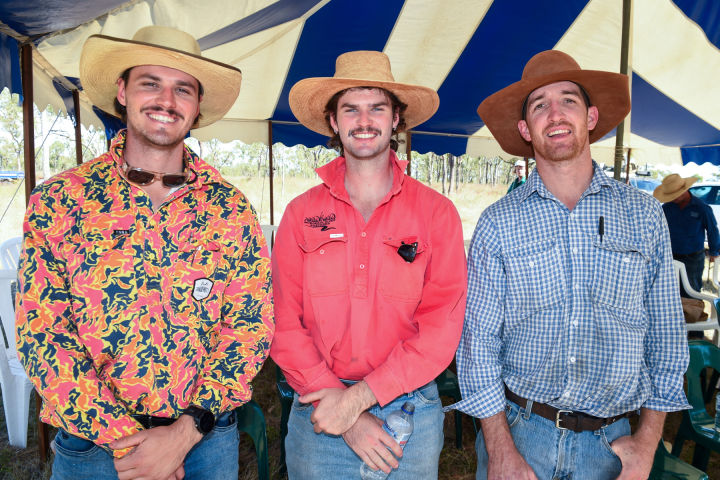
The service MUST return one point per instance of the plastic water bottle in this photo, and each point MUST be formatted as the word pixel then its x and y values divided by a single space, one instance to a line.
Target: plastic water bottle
pixel 717 413
pixel 399 425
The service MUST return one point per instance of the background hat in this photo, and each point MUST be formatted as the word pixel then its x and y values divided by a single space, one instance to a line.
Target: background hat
pixel 502 111
pixel 309 96
pixel 672 187
pixel 104 59
pixel 519 163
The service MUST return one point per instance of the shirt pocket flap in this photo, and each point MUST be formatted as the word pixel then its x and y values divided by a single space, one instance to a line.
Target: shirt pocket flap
pixel 313 243
pixel 397 242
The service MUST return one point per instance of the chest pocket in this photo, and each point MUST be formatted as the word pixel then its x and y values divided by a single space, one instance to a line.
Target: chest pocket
pixel 619 273
pixel 195 288
pixel 399 279
pixel 535 277
pixel 325 265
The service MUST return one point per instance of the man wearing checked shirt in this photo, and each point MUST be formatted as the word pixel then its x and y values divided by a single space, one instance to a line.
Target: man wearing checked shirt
pixel 573 319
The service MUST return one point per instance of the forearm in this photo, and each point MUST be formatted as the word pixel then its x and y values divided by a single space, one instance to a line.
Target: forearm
pixel 650 427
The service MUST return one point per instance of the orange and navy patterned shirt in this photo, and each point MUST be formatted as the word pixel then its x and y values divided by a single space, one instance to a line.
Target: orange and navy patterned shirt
pixel 128 310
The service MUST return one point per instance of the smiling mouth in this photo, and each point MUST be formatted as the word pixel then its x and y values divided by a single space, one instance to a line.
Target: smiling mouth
pixel 558 131
pixel 162 118
pixel 364 134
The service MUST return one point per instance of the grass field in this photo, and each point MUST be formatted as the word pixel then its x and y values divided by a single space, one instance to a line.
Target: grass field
pixel 455 464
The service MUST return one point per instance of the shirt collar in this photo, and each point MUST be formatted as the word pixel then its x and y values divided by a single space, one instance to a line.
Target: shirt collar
pixel 332 174
pixel 534 184
pixel 205 173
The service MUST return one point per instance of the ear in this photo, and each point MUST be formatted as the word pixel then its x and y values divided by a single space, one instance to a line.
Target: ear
pixel 524 130
pixel 121 92
pixel 593 116
pixel 333 123
pixel 396 119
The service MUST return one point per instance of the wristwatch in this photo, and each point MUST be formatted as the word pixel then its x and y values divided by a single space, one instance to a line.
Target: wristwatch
pixel 204 419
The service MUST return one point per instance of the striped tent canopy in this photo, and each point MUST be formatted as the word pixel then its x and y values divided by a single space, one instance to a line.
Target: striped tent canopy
pixel 465 49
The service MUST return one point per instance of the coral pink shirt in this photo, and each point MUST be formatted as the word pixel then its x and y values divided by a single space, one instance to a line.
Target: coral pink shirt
pixel 348 306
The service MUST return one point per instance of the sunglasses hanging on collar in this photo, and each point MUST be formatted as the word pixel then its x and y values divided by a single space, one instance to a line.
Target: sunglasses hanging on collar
pixel 143 177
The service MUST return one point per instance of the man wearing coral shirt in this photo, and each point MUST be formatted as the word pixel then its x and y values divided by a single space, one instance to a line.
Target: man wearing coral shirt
pixel 369 277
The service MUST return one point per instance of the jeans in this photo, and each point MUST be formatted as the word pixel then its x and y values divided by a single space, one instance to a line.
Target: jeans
pixel 312 456
pixel 215 457
pixel 694 266
pixel 556 454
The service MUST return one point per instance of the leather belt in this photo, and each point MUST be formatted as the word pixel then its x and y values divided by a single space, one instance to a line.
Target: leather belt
pixel 682 256
pixel 148 421
pixel 566 419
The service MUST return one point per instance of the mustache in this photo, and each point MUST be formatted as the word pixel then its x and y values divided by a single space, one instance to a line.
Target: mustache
pixel 158 109
pixel 364 130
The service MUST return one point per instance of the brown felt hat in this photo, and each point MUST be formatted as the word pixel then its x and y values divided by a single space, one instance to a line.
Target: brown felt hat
pixel 104 59
pixel 501 111
pixel 672 187
pixel 309 96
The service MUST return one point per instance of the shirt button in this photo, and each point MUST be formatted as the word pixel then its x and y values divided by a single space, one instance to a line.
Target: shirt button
pixel 572 359
pixel 363 234
pixel 322 252
pixel 575 250
pixel 574 323
pixel 626 259
pixel 531 263
pixel 362 266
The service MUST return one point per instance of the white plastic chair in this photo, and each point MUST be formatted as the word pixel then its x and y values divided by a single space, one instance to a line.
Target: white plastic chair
pixel 269 232
pixel 712 322
pixel 16 387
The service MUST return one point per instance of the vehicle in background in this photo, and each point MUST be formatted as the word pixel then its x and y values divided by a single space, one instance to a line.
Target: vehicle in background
pixel 709 192
pixel 644 184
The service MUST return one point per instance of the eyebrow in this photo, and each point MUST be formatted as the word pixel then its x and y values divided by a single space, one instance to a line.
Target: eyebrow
pixel 155 78
pixel 354 105
pixel 574 93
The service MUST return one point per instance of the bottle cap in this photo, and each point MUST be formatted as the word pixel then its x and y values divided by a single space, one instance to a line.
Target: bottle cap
pixel 408 407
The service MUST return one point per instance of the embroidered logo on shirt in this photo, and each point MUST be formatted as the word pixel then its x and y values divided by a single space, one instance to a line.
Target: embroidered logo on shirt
pixel 201 288
pixel 320 221
pixel 120 233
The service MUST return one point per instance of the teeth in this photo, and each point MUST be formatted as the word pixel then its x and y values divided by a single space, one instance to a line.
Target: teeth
pixel 364 135
pixel 162 118
pixel 557 132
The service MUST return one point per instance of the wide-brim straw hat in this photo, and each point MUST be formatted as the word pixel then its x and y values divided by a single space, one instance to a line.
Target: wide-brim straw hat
pixel 672 187
pixel 104 59
pixel 309 96
pixel 501 111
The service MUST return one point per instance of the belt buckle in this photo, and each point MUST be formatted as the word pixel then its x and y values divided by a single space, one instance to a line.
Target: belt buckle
pixel 557 418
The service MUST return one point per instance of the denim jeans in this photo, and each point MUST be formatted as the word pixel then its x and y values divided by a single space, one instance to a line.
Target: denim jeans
pixel 215 457
pixel 694 266
pixel 312 456
pixel 556 454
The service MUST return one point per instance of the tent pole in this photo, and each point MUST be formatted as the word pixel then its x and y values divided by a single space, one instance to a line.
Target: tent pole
pixel 29 151
pixel 271 174
pixel 28 119
pixel 625 70
pixel 408 150
pixel 78 132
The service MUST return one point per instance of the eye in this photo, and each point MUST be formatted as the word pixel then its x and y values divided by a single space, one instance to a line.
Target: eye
pixel 149 84
pixel 183 90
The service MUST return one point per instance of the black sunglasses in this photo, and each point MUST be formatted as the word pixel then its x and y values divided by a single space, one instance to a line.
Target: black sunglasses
pixel 407 251
pixel 138 176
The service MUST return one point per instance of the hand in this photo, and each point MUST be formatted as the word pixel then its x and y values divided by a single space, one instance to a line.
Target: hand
pixel 158 453
pixel 368 439
pixel 509 465
pixel 338 409
pixel 636 457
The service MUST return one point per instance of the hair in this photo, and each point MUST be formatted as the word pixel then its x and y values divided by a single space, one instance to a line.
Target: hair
pixel 397 107
pixel 121 110
pixel 585 96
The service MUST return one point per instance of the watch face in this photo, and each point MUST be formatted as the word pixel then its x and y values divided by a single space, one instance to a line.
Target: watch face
pixel 205 421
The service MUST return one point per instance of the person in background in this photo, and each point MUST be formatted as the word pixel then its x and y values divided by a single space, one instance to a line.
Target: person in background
pixel 370 276
pixel 573 321
pixel 519 171
pixel 690 221
pixel 145 305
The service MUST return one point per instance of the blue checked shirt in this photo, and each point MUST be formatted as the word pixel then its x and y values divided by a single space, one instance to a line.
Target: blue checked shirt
pixel 566 316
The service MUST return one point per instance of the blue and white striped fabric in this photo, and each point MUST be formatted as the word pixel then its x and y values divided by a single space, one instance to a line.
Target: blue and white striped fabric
pixel 567 316
pixel 465 49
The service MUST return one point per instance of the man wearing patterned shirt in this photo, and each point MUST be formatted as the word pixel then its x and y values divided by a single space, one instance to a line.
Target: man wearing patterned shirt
pixel 369 271
pixel 145 307
pixel 573 320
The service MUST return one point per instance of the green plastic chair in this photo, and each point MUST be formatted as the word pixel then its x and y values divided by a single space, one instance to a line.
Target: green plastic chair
pixel 669 467
pixel 696 425
pixel 286 393
pixel 250 419
pixel 447 384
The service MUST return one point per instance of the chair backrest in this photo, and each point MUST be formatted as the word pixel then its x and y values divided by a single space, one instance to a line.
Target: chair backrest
pixel 10 253
pixel 681 273
pixel 702 355
pixel 269 232
pixel 7 309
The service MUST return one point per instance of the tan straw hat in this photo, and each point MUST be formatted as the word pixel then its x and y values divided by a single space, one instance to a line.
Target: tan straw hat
pixel 672 187
pixel 502 110
pixel 309 96
pixel 104 59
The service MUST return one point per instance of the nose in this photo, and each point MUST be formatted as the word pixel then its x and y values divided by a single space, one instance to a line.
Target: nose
pixel 364 118
pixel 554 111
pixel 166 97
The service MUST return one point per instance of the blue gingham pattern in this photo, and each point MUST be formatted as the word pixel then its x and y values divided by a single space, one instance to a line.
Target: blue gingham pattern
pixel 565 316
